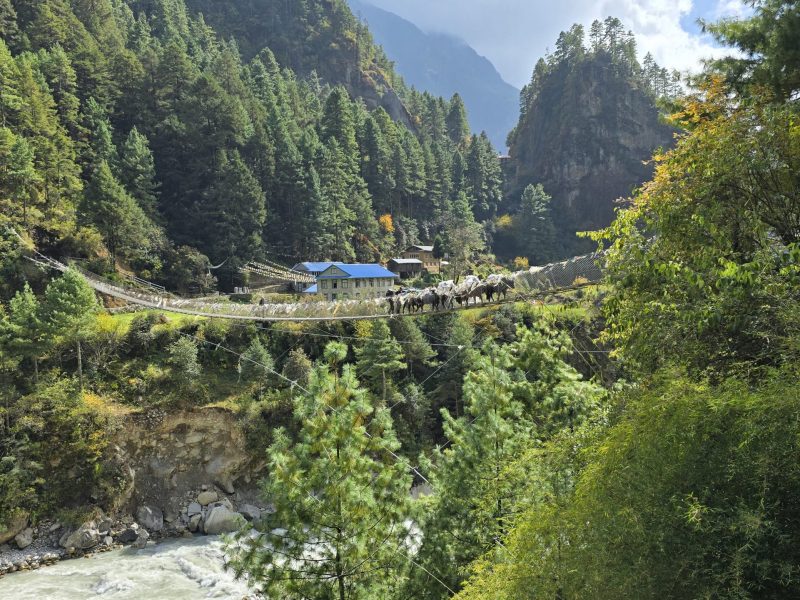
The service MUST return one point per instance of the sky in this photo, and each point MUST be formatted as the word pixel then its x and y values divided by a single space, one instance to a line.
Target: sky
pixel 514 34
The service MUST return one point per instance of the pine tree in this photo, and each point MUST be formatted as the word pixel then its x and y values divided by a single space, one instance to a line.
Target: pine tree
pixel 457 123
pixel 340 498
pixel 101 144
pixel 535 225
pixel 69 311
pixel 137 172
pixel 474 499
pixel 256 364
pixel 417 351
pixel 379 358
pixel 25 333
pixel 457 359
pixel 124 225
pixel 231 214
pixel 19 180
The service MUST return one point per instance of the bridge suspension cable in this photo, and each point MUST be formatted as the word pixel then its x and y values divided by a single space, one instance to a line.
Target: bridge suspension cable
pixel 536 281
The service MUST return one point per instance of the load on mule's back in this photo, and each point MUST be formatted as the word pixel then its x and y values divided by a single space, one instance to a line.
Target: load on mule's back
pixel 447 293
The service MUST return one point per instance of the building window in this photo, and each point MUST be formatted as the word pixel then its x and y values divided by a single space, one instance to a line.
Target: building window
pixel 335 284
pixel 324 284
pixel 333 296
pixel 358 283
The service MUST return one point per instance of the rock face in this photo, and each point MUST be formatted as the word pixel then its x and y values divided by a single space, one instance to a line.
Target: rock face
pixel 150 518
pixel 170 456
pixel 584 137
pixel 222 520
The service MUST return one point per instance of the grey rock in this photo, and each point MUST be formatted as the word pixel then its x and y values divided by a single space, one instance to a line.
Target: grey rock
pixel 250 512
pixel 194 522
pixel 54 527
pixel 206 498
pixel 128 535
pixel 226 484
pixel 85 537
pixel 108 540
pixel 141 539
pixel 105 526
pixel 224 502
pixel 222 520
pixel 24 538
pixel 150 518
pixel 194 508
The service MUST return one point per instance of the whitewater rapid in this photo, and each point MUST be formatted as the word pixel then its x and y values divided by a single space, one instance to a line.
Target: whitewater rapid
pixel 173 570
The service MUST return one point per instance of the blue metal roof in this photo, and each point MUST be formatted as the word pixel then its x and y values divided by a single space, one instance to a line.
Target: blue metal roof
pixel 311 290
pixel 313 267
pixel 360 272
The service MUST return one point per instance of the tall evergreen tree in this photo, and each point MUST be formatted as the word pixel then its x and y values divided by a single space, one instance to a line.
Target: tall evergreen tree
pixel 125 227
pixel 379 358
pixel 457 123
pixel 137 172
pixel 535 225
pixel 68 312
pixel 340 499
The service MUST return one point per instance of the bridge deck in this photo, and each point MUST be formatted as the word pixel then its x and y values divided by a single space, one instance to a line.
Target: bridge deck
pixel 535 282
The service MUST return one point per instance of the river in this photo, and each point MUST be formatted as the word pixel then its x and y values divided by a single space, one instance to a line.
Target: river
pixel 172 570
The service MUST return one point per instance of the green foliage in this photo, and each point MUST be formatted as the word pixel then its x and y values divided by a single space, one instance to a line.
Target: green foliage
pixel 378 358
pixel 69 308
pixel 183 360
pixel 52 446
pixel 534 226
pixel 340 497
pixel 514 396
pixel 705 262
pixel 124 224
pixel 256 363
pixel 691 481
pixel 767 45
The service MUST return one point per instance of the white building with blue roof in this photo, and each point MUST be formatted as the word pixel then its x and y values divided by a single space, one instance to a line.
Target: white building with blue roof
pixel 341 281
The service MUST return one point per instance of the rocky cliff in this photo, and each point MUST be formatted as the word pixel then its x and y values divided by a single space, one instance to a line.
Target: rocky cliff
pixel 585 136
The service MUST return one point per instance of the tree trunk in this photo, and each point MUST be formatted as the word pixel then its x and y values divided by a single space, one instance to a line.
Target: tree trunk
pixel 36 370
pixel 80 367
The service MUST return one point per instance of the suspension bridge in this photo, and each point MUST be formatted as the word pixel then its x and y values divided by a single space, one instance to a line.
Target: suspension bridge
pixel 535 282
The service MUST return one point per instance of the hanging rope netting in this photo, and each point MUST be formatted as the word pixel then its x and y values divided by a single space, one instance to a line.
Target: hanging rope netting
pixel 470 291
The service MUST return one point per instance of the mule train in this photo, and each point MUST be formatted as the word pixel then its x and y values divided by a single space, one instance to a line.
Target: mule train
pixel 447 294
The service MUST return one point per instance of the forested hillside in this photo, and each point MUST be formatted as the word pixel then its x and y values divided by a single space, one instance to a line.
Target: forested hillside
pixel 588 123
pixel 135 131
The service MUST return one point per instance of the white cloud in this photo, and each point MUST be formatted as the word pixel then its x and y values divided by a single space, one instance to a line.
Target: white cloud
pixel 513 34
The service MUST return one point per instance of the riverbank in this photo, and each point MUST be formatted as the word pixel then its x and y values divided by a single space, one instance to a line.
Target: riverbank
pixel 189 568
pixel 206 512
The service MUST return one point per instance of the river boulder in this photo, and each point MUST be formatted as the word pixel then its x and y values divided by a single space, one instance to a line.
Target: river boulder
pixel 222 520
pixel 24 538
pixel 250 512
pixel 150 517
pixel 206 498
pixel 84 537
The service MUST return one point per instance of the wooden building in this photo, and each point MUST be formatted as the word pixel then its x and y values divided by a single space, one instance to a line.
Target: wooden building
pixel 407 268
pixel 430 263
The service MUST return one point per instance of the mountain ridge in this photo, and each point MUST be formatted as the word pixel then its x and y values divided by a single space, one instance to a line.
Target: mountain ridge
pixel 443 64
